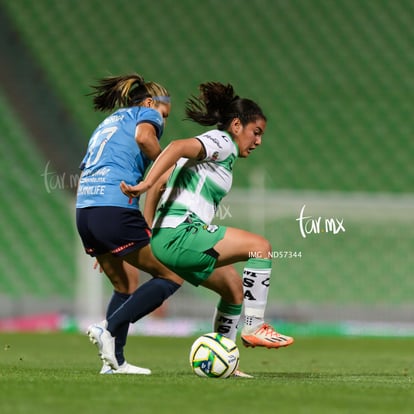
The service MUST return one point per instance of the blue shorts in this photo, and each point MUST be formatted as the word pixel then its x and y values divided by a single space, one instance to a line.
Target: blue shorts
pixel 115 230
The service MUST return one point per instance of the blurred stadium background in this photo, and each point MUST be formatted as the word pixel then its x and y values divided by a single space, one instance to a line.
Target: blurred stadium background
pixel 335 78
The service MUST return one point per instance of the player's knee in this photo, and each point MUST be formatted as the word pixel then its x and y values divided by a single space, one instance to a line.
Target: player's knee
pixel 262 246
pixel 171 276
pixel 122 286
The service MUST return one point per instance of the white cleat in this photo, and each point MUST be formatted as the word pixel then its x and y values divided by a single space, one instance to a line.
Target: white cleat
pixel 102 338
pixel 241 374
pixel 125 368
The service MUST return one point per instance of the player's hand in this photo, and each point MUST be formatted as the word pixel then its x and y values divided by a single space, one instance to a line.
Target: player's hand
pixel 133 191
pixel 96 265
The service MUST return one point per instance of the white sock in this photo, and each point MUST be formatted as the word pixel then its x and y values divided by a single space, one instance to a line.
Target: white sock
pixel 256 282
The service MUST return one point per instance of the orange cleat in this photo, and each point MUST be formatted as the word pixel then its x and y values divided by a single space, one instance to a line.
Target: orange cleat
pixel 264 336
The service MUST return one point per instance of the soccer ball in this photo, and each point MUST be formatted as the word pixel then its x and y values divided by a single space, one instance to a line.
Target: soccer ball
pixel 214 356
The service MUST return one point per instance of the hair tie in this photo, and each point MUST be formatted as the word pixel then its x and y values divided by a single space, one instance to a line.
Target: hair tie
pixel 162 99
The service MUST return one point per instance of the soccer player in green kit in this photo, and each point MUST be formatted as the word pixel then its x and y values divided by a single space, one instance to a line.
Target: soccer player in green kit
pixel 197 173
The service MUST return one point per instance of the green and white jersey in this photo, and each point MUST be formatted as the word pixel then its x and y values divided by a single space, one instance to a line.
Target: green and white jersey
pixel 196 187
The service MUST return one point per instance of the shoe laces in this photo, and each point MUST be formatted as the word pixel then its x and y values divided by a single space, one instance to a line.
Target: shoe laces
pixel 267 330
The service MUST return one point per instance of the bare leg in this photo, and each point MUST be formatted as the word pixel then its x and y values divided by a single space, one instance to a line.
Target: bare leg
pixel 123 276
pixel 237 244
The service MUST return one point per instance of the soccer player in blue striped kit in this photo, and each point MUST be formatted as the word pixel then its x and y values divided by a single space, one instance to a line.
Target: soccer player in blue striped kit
pixel 111 225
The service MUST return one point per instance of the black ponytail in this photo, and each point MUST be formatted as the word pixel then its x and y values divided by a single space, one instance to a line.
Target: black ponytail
pixel 118 91
pixel 219 105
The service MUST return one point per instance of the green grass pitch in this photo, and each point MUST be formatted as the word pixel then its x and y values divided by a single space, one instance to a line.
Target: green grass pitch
pixel 57 373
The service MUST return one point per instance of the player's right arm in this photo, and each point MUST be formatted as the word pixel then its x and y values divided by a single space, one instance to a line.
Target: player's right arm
pixel 153 196
pixel 147 141
pixel 190 148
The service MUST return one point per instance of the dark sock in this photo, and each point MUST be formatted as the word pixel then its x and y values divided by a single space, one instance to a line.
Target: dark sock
pixel 121 333
pixel 143 301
